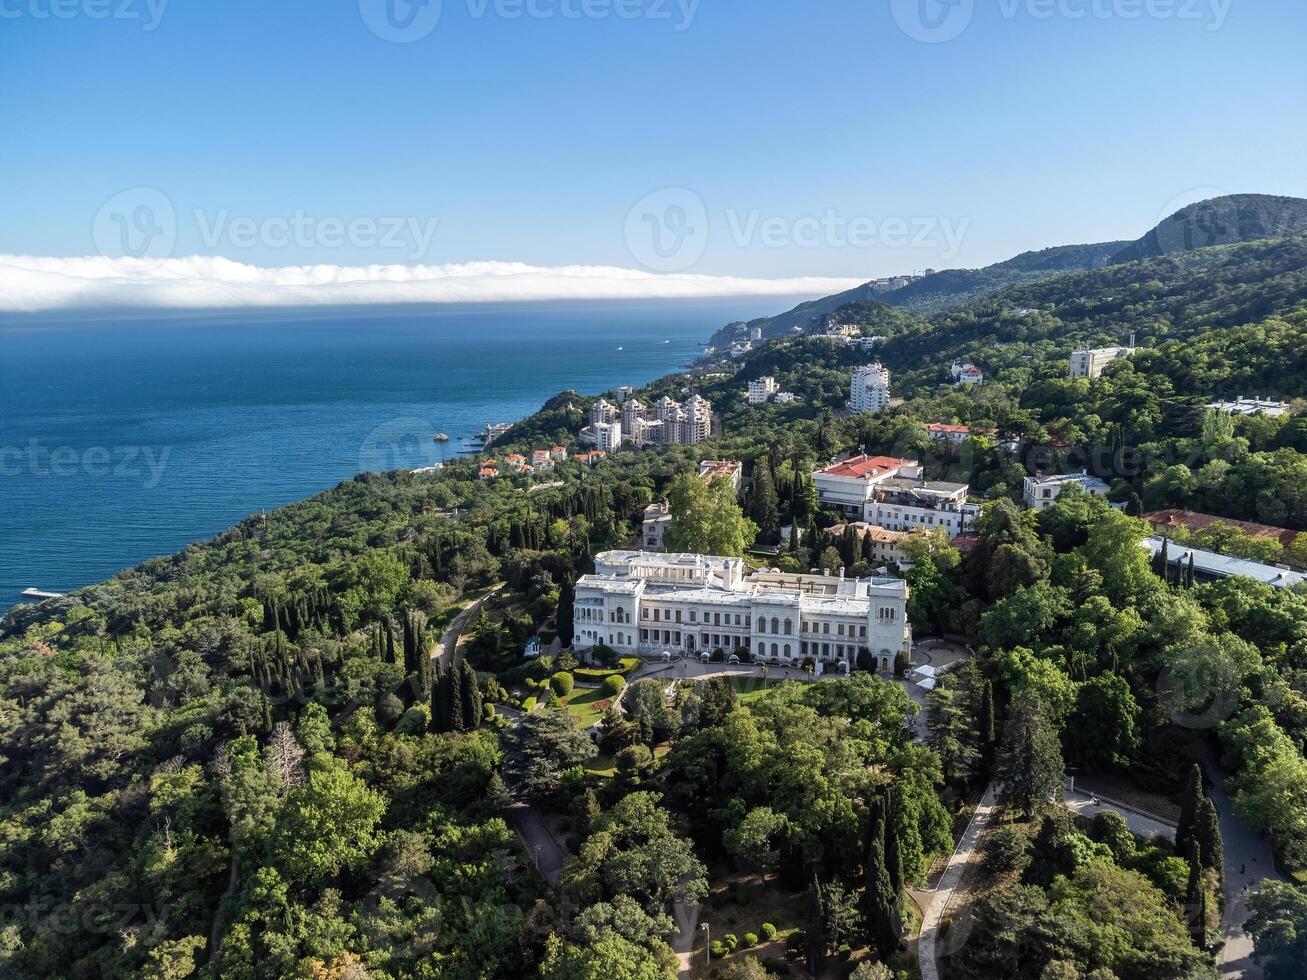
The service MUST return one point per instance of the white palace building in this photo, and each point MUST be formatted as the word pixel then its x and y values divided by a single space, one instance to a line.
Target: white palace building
pixel 641 602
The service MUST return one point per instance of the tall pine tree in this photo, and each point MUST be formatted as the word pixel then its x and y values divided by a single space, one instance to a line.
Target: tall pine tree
pixel 880 897
pixel 1190 801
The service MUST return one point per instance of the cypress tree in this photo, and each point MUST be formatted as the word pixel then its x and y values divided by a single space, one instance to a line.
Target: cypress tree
pixel 893 845
pixel 566 600
pixel 987 725
pixel 763 508
pixel 1189 572
pixel 880 895
pixel 1208 834
pixel 390 643
pixel 1189 803
pixel 1195 885
pixel 470 695
pixel 1162 558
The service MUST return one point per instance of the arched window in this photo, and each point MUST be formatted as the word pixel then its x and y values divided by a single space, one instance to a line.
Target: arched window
pixel 787 649
pixel 775 625
pixel 762 624
pixel 789 627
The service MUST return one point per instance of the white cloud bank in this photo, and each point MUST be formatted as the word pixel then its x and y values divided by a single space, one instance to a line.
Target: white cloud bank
pixel 33 284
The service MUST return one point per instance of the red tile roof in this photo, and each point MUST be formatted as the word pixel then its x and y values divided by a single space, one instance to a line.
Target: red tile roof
pixel 1193 521
pixel 860 467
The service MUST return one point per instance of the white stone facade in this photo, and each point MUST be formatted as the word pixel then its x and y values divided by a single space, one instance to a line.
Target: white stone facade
pixel 1090 363
pixel 637 602
pixel 869 388
pixel 1041 492
pixel 762 389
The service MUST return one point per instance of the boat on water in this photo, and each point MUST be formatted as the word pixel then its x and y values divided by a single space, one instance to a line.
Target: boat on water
pixel 621 348
pixel 441 437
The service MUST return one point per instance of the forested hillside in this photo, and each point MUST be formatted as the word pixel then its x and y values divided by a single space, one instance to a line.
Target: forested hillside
pixel 244 761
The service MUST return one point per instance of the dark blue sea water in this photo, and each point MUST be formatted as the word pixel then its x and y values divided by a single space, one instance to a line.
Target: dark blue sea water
pixel 124 439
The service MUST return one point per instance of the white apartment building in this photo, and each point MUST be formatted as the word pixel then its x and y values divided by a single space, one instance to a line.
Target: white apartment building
pixel 869 388
pixel 1090 363
pixel 785 397
pixel 762 389
pixel 632 413
pixel 1041 492
pixel 967 374
pixel 636 602
pixel 848 485
pixel 608 436
pixel 698 420
pixel 1251 406
pixel 602 411
pixel 901 504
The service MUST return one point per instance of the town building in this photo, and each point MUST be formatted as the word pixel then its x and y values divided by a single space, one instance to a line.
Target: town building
pixel 785 397
pixel 1090 363
pixel 849 484
pixel 602 412
pixel 902 503
pixel 623 393
pixel 869 388
pixel 964 373
pixel 1041 492
pixel 657 520
pixel 762 389
pixel 558 453
pixel 642 603
pixel 885 544
pixel 608 436
pixel 1251 406
pixel 955 435
pixel 1208 565
pixel 732 469
pixel 1163 521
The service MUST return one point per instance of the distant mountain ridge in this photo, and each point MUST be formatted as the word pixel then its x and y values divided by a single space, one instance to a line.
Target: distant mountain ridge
pixel 1218 221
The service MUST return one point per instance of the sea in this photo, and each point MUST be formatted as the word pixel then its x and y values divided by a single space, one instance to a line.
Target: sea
pixel 128 436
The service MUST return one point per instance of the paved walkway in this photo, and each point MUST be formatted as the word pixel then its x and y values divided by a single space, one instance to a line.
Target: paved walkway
pixel 448 646
pixel 1143 824
pixel 927 943
pixel 541 844
pixel 1248 860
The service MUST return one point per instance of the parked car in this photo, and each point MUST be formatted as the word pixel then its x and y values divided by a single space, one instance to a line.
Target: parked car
pixel 733 659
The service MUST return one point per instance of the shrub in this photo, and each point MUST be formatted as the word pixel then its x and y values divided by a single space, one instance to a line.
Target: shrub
pixel 796 942
pixel 730 941
pixel 561 683
pixel 1007 850
pixel 750 939
pixel 389 710
pixel 776 967
pixel 717 948
pixel 768 931
pixel 414 721
pixel 614 683
pixel 488 713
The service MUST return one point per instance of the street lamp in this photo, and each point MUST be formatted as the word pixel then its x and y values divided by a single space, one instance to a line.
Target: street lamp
pixel 707 941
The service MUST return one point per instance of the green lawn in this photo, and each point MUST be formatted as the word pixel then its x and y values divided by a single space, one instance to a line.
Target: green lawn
pixel 751 688
pixel 583 703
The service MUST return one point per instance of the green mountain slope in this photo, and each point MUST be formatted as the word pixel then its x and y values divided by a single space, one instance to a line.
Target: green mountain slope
pixel 1220 221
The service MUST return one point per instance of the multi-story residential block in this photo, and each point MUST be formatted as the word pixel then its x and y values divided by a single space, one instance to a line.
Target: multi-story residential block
pixel 762 389
pixel 623 393
pixel 1041 492
pixel 848 485
pixel 1250 406
pixel 657 521
pixel 1090 363
pixel 608 436
pixel 633 412
pixel 698 420
pixel 869 388
pixel 732 469
pixel 903 503
pixel 637 602
pixel 602 411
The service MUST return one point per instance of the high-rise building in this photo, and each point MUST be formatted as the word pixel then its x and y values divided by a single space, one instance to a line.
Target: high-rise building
pixel 869 388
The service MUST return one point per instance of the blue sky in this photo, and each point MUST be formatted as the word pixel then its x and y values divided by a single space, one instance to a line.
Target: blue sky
pixel 812 132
